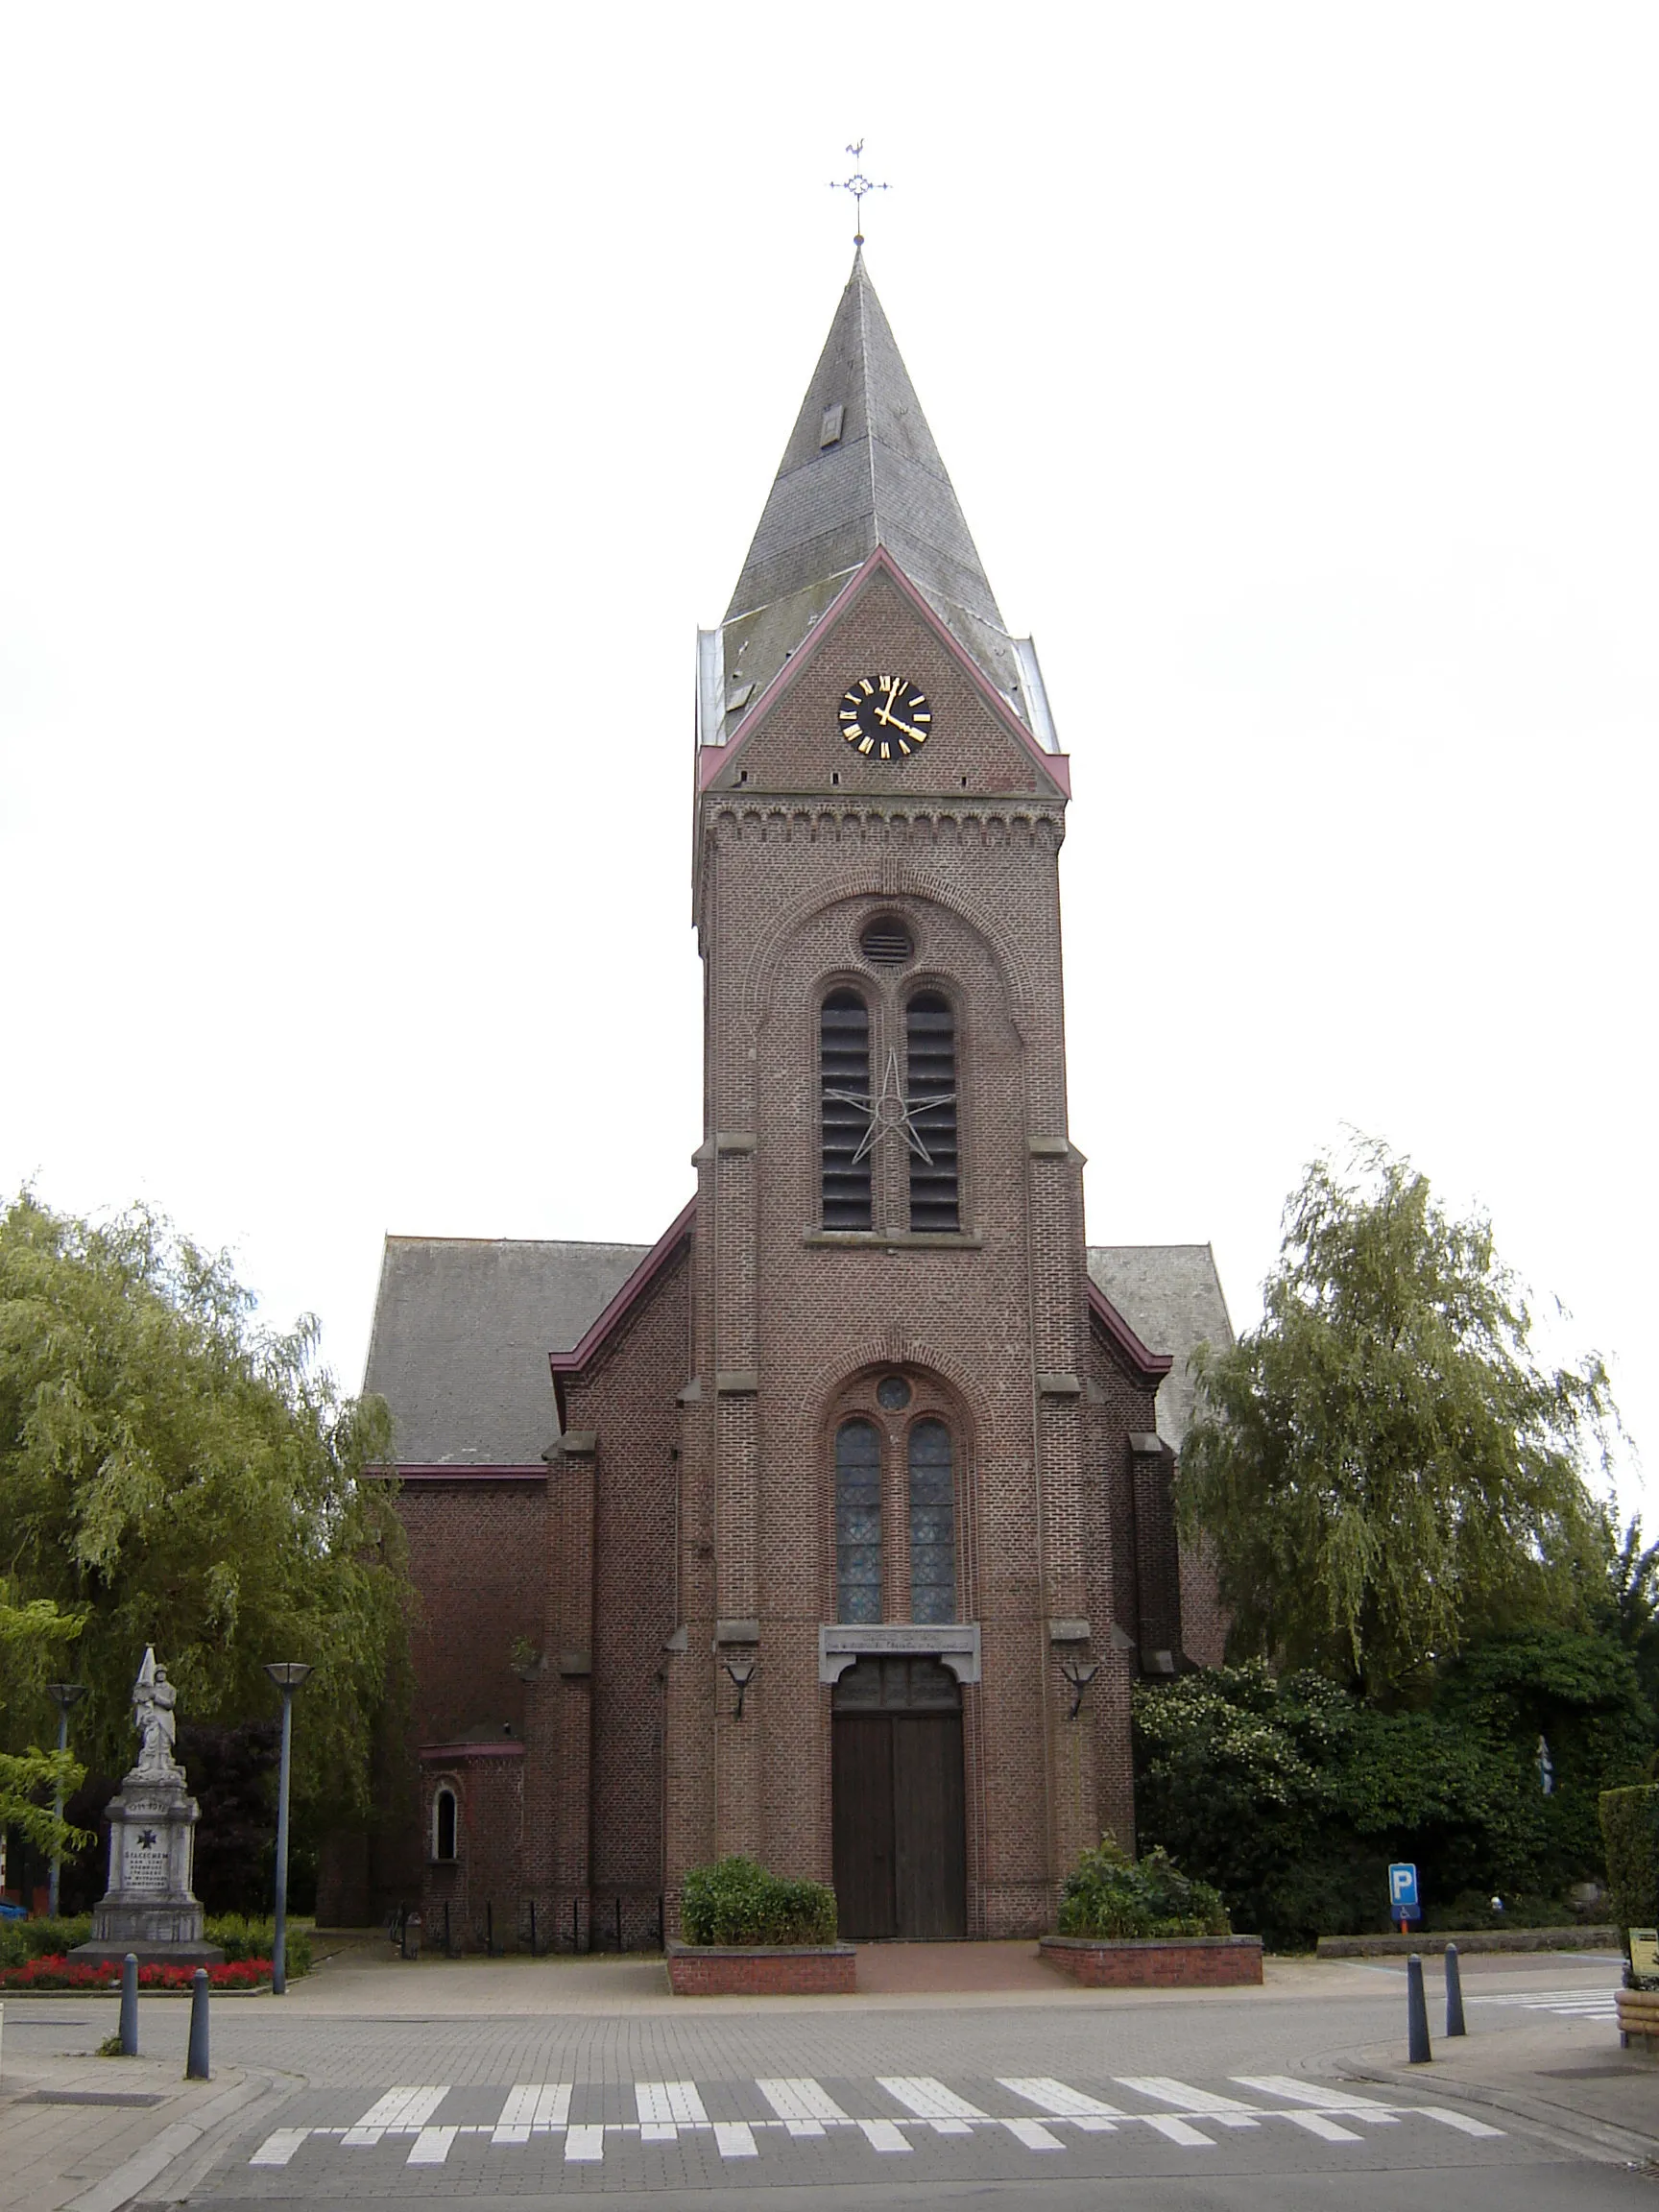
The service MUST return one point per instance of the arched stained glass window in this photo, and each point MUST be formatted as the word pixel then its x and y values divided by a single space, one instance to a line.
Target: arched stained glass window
pixel 932 1524
pixel 444 1823
pixel 844 1080
pixel 930 1056
pixel 857 1522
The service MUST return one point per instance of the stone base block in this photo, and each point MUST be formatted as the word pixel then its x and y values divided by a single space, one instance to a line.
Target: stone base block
pixel 1191 1963
pixel 707 1971
pixel 111 1953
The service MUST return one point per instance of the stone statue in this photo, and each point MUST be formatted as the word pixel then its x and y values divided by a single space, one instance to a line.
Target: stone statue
pixel 154 1699
pixel 150 1907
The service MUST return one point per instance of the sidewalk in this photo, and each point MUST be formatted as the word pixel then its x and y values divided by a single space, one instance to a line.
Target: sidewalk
pixel 80 2131
pixel 1569 2077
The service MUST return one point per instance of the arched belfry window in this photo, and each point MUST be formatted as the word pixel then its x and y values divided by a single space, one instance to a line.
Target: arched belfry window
pixel 930 1087
pixel 443 1822
pixel 844 1079
pixel 932 1524
pixel 857 1522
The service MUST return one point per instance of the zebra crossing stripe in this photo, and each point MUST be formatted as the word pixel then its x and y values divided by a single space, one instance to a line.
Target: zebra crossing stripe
pixel 584 2146
pixel 1342 2101
pixel 1033 2134
pixel 734 2139
pixel 431 2147
pixel 532 2104
pixel 1162 2089
pixel 802 2103
pixel 279 2148
pixel 669 2103
pixel 884 2135
pixel 945 2113
pixel 1063 2103
pixel 401 2108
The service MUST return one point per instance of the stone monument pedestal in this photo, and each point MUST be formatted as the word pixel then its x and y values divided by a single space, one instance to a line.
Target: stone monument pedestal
pixel 149 1907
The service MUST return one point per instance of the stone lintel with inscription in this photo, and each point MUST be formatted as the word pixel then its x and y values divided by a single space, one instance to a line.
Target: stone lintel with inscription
pixel 954 1644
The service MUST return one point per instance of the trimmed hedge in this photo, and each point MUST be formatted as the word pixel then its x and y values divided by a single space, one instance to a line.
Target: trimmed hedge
pixel 736 1902
pixel 1630 1831
pixel 1112 1898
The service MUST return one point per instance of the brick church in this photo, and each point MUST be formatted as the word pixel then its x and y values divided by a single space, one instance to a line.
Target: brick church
pixel 833 1527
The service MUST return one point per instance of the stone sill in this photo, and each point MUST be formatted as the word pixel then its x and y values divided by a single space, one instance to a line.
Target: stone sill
pixel 898 1240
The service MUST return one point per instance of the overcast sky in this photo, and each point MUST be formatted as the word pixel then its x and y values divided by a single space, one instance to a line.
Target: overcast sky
pixel 387 393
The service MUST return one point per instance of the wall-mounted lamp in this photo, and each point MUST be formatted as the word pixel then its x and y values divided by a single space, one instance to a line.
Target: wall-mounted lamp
pixel 742 1673
pixel 1079 1673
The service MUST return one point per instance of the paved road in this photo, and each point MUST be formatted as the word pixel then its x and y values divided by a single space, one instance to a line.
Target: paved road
pixel 1234 2100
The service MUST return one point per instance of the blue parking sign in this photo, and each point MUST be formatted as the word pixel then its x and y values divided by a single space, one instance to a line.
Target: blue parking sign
pixel 1403 1902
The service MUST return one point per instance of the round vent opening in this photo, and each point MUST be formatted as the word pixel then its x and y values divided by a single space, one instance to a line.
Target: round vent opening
pixel 886 942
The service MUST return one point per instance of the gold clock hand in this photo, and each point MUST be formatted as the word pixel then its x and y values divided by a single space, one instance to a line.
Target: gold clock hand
pixel 919 735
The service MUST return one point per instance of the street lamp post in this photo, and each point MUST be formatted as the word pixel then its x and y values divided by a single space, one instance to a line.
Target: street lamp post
pixel 287 1674
pixel 63 1694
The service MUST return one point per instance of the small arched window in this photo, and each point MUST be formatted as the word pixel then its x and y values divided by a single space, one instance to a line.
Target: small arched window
pixel 444 1823
pixel 844 1079
pixel 857 1522
pixel 930 1068
pixel 932 1524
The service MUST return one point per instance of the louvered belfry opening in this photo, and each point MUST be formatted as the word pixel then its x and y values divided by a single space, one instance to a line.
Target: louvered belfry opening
pixel 844 1079
pixel 886 941
pixel 930 1087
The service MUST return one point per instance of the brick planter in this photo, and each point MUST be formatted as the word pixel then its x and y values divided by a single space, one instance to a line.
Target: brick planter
pixel 1187 1962
pixel 804 1970
pixel 1639 2020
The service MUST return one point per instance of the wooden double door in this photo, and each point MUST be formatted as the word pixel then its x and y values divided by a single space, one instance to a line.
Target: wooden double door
pixel 900 1855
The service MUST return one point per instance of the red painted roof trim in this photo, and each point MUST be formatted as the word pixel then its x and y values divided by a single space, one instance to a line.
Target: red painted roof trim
pixel 449 1753
pixel 1056 766
pixel 572 1362
pixel 1152 1366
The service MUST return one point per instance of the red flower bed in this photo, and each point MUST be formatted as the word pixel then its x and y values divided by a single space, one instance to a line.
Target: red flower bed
pixel 61 1973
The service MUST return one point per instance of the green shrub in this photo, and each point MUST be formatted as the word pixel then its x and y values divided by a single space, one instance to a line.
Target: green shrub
pixel 239 1936
pixel 1110 1895
pixel 735 1901
pixel 1630 1831
pixel 21 1940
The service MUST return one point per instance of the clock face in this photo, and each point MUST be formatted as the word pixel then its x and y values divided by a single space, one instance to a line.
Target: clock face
pixel 885 717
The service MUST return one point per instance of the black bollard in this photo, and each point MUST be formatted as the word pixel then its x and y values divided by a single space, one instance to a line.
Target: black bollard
pixel 1453 1993
pixel 130 2006
pixel 196 2064
pixel 1418 2051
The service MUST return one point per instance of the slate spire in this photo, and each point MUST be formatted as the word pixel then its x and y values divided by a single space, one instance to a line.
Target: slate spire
pixel 860 470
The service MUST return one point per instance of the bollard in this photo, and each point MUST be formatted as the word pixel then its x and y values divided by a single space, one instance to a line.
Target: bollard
pixel 1418 2051
pixel 1453 1993
pixel 411 1935
pixel 196 2064
pixel 130 2006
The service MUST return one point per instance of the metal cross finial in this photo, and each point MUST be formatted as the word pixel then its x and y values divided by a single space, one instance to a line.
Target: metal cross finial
pixel 857 184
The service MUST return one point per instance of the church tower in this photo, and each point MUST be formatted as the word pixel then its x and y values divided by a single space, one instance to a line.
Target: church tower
pixel 833 1527
pixel 895 1548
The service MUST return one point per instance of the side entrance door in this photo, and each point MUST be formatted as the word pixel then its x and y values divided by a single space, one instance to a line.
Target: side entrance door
pixel 901 1856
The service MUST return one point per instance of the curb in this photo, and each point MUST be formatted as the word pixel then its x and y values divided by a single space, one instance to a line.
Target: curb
pixel 1599 2139
pixel 175 2143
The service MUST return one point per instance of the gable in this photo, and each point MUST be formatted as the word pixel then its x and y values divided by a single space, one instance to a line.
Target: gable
pixel 790 739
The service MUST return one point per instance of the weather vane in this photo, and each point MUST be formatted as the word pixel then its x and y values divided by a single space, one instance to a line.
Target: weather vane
pixel 857 184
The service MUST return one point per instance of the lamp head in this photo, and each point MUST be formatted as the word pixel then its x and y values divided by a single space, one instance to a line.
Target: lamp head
pixel 287 1674
pixel 65 1695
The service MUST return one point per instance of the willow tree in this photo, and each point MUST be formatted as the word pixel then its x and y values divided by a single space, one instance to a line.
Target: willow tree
pixel 174 1473
pixel 1385 1468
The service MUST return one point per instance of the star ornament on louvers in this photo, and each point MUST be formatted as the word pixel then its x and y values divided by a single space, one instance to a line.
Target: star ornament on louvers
pixel 891 1110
